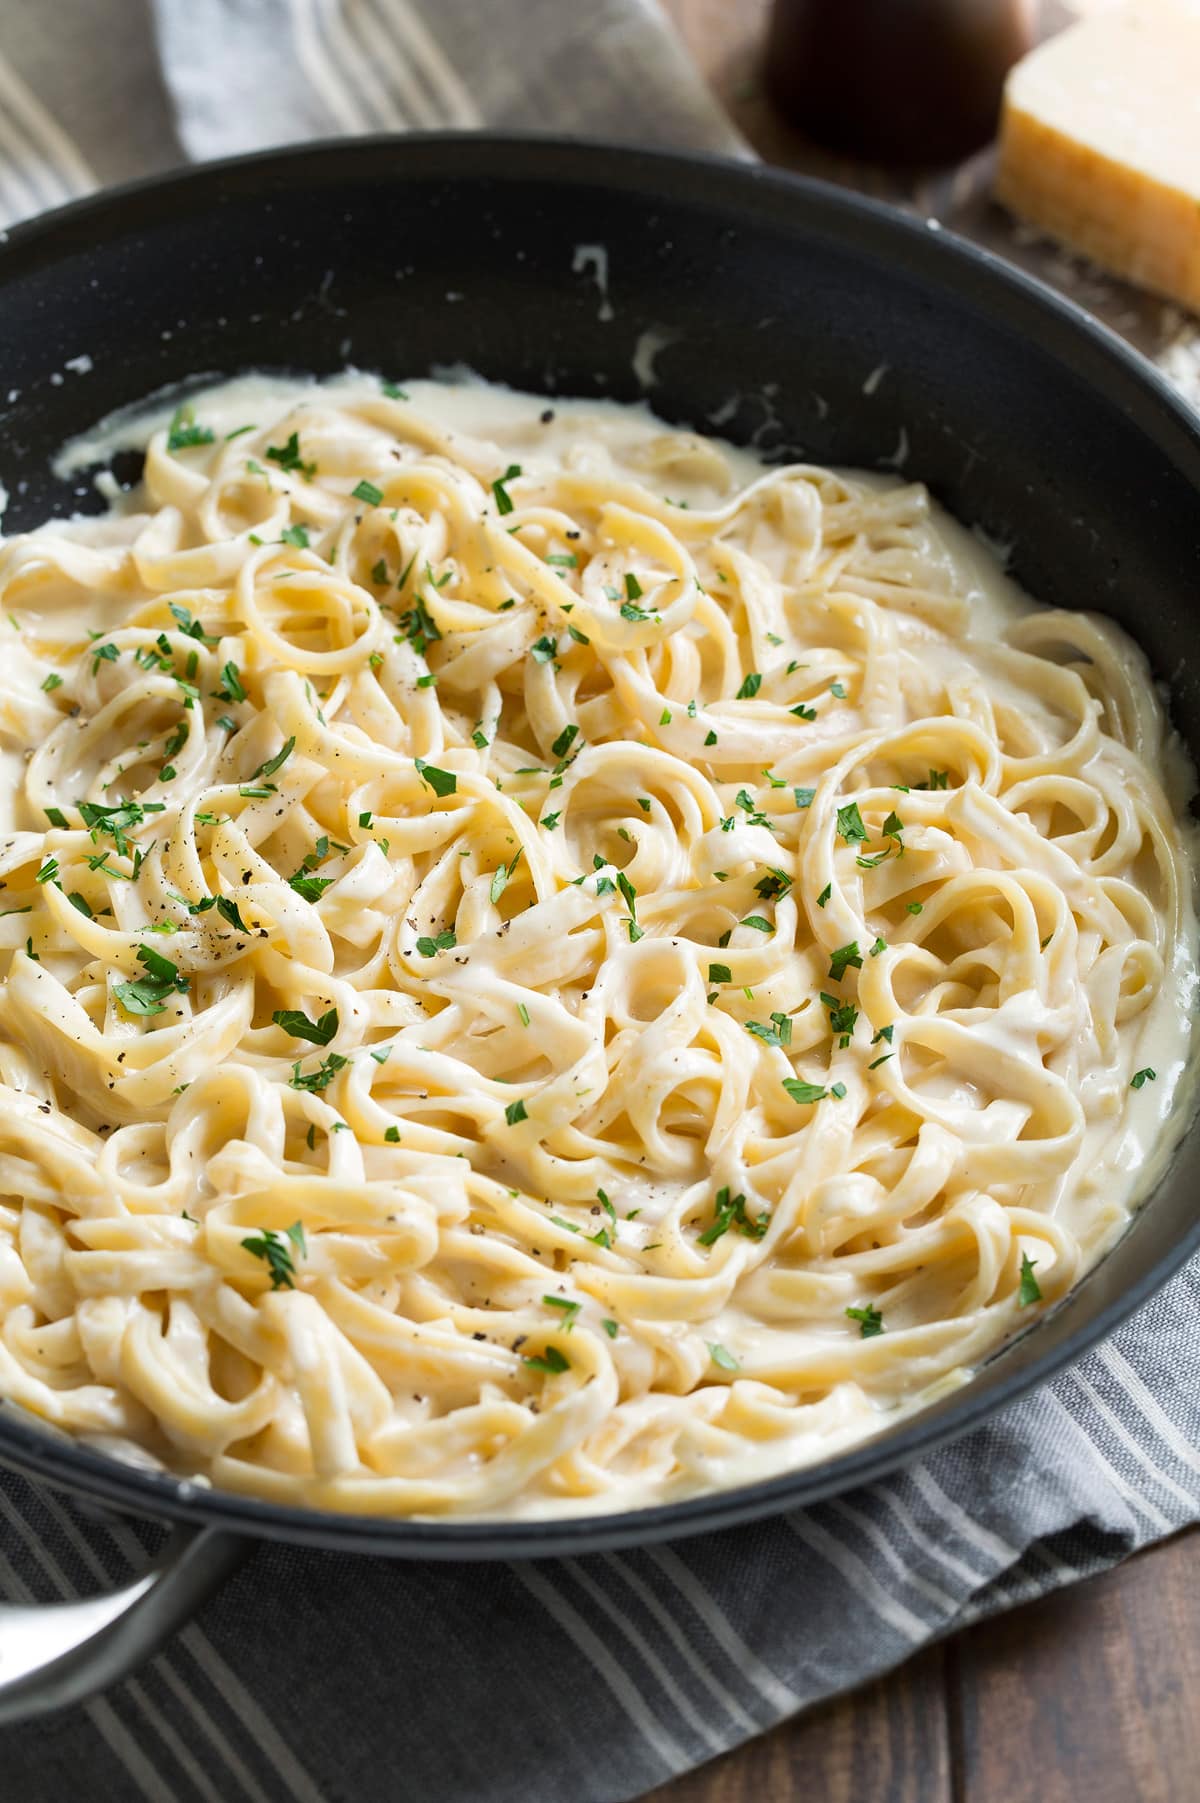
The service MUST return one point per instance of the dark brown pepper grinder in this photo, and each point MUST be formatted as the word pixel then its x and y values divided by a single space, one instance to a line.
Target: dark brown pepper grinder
pixel 901 81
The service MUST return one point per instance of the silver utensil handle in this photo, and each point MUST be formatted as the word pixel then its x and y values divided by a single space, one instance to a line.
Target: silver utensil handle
pixel 52 1654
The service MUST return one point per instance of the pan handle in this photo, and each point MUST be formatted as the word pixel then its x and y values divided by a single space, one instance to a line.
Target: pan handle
pixel 52 1654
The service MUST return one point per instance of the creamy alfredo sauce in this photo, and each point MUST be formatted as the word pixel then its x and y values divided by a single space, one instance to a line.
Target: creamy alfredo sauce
pixel 553 966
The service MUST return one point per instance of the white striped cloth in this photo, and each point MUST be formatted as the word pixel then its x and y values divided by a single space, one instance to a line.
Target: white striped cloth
pixel 323 1678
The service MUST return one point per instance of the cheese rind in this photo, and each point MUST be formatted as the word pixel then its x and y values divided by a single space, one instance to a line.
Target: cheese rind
pixel 1100 144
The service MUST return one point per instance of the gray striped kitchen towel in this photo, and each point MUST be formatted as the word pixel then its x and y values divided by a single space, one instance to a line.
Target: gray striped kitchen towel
pixel 323 1678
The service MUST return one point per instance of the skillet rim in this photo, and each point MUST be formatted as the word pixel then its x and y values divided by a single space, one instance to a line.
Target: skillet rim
pixel 982 282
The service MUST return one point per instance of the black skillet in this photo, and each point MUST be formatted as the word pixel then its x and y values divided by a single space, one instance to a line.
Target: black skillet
pixel 731 298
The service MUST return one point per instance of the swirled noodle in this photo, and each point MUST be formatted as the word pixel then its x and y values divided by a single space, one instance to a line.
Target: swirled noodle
pixel 545 965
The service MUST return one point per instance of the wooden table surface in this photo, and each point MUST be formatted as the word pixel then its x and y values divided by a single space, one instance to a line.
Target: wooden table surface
pixel 1089 1696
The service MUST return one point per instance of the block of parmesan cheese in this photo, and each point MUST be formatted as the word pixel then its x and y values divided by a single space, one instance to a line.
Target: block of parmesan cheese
pixel 1100 143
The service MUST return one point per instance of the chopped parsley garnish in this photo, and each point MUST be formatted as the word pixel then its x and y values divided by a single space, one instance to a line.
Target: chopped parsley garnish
pixel 803 797
pixel 751 684
pixel 231 684
pixel 568 1309
pixel 842 1016
pixel 1142 1077
pixel 543 650
pixel 915 907
pixel 631 611
pixel 804 1092
pixel 417 624
pixel 502 877
pixel 277 762
pixel 318 1032
pixel 630 895
pixel 183 432
pixel 48 872
pixel 758 923
pixel 1030 1290
pixel 275 1250
pixel 147 995
pixel 938 779
pixel 836 690
pixel 53 681
pixel 610 1328
pixel 803 713
pixel 633 588
pixel 880 945
pixel 115 820
pixel 288 457
pixel 721 1356
pixel 101 863
pixel 320 1079
pixel 845 958
pixel 565 560
pixel 730 1211
pixel 720 973
pixel 392 1135
pixel 515 1112
pixel 442 782
pixel 364 491
pixel 825 894
pixel 552 1361
pixel 106 654
pixel 296 536
pixel 189 624
pixel 178 739
pixel 776 882
pixel 870 1321
pixel 56 817
pixel 581 638
pixel 778 1034
pixel 443 942
pixel 503 498
pixel 564 741
pixel 229 911
pixel 850 824
pixel 754 817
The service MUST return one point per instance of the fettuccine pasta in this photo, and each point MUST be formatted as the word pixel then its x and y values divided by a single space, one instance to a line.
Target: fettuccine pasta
pixel 546 965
